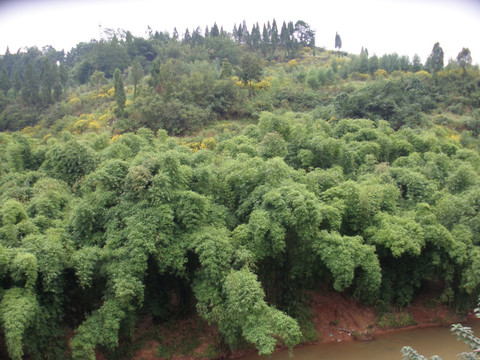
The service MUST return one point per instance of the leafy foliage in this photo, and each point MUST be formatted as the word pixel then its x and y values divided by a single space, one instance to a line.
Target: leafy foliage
pixel 19 308
pixel 297 169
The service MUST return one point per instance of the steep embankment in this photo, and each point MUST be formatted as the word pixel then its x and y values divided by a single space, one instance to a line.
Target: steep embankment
pixel 335 316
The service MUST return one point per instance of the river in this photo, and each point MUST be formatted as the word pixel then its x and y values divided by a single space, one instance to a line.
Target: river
pixel 427 341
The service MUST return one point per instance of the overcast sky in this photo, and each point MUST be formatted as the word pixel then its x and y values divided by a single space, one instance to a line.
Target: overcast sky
pixel 407 27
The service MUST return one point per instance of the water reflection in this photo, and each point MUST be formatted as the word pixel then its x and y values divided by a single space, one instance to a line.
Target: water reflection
pixel 428 342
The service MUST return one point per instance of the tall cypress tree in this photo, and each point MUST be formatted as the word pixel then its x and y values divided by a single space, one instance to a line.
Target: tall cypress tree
pixel 48 79
pixel 265 40
pixel 214 32
pixel 464 58
pixel 245 34
pixel 416 63
pixel 187 38
pixel 435 60
pixel 63 75
pixel 120 96
pixel 5 83
pixel 274 36
pixel 338 42
pixel 136 74
pixel 31 85
pixel 291 41
pixel 284 37
pixel 255 37
pixel 235 33
pixel 17 82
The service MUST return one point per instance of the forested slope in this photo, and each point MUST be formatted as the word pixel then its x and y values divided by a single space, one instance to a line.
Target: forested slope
pixel 295 171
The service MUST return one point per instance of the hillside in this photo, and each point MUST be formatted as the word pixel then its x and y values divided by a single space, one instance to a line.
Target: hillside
pixel 228 178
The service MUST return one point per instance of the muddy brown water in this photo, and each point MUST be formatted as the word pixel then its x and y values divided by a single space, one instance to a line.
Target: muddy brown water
pixel 427 341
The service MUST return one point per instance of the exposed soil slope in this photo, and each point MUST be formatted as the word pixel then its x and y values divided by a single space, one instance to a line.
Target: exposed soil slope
pixel 335 316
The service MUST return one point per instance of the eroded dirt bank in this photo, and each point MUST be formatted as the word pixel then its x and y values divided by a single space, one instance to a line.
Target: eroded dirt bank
pixel 335 316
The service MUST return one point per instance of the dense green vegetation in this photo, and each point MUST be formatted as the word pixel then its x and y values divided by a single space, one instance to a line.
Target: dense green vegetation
pixel 296 168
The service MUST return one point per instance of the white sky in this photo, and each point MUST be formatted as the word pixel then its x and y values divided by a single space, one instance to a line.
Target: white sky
pixel 407 27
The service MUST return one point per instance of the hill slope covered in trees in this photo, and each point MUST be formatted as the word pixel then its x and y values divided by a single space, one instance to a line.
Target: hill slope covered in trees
pixel 227 175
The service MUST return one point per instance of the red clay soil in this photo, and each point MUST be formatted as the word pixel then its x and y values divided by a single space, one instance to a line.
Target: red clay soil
pixel 338 318
pixel 335 317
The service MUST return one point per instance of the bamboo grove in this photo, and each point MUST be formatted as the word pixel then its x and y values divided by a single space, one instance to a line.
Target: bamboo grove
pixel 365 183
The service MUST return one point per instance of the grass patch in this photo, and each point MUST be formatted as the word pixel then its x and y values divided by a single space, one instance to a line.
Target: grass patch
pixel 185 345
pixel 186 341
pixel 210 353
pixel 307 327
pixel 392 320
pixel 366 335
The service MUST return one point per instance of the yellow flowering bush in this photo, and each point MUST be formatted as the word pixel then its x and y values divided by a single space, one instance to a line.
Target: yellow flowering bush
pixel 115 137
pixel 292 64
pixel 80 126
pixel 380 73
pixel 256 85
pixel 423 75
pixel 225 127
pixel 74 100
pixel 454 137
pixel 398 73
pixel 193 145
pixel 104 118
pixel 28 130
pixel 93 126
pixel 208 143
pixel 263 84
pixel 359 76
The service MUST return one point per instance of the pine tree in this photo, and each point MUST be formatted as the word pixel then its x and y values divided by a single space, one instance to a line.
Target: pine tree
pixel 17 82
pixel 136 74
pixel 265 40
pixel 373 64
pixel 435 59
pixel 274 36
pixel 120 96
pixel 245 34
pixel 255 37
pixel 5 84
pixel 197 38
pixel 48 79
pixel 338 42
pixel 63 75
pixel 464 58
pixel 416 63
pixel 305 35
pixel 187 38
pixel 226 71
pixel 214 32
pixel 292 43
pixel 284 37
pixel 235 33
pixel 31 85
pixel 363 62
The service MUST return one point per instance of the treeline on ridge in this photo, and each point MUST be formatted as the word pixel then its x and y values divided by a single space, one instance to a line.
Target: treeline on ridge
pixel 200 77
pixel 293 172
